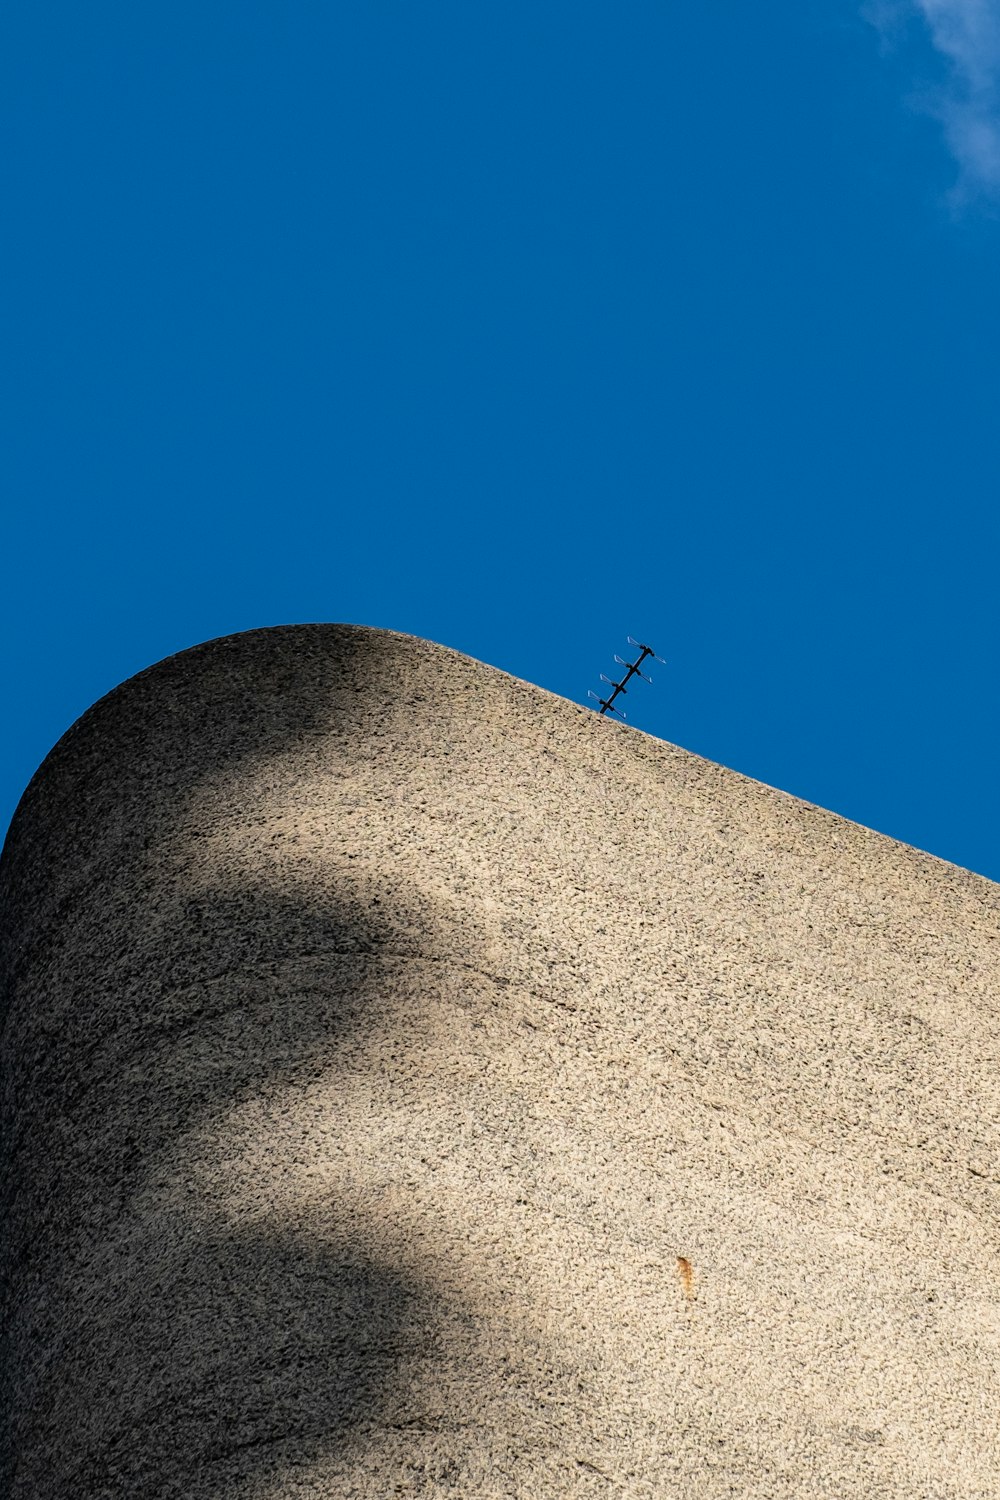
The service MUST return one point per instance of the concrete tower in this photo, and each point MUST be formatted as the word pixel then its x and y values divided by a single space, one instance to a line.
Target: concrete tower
pixel 413 1083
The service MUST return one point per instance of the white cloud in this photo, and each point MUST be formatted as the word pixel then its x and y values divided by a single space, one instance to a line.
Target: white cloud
pixel 967 34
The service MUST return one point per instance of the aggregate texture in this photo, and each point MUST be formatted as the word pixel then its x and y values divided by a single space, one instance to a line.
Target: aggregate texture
pixel 416 1084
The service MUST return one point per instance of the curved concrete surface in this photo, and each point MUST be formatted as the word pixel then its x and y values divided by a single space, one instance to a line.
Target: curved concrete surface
pixel 414 1083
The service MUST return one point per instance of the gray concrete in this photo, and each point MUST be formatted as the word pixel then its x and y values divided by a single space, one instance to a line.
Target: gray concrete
pixel 414 1083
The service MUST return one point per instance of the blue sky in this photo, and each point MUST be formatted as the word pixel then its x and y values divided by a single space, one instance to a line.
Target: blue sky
pixel 522 327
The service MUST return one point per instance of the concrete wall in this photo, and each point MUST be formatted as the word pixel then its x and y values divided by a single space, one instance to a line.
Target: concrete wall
pixel 413 1083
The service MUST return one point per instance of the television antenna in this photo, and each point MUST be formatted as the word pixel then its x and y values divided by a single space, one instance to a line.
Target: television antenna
pixel 632 669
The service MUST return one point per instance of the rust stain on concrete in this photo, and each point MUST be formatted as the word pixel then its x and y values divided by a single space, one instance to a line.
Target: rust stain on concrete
pixel 686 1272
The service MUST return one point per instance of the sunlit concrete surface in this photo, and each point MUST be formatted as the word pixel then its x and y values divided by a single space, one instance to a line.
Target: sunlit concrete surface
pixel 414 1083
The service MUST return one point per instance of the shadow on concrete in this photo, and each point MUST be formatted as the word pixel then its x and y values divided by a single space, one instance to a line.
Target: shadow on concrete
pixel 124 777
pixel 123 774
pixel 142 1357
pixel 220 1342
pixel 250 1348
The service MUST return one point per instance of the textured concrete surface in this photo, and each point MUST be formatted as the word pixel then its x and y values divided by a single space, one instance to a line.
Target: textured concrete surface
pixel 413 1083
